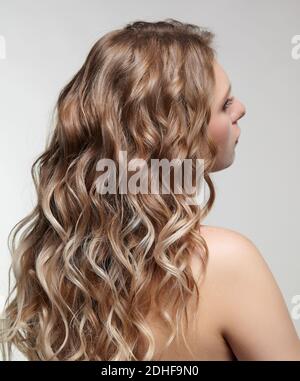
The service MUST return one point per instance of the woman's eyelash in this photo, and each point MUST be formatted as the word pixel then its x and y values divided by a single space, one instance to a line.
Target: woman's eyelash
pixel 227 103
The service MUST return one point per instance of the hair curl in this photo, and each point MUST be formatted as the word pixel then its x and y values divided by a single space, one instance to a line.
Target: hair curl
pixel 90 267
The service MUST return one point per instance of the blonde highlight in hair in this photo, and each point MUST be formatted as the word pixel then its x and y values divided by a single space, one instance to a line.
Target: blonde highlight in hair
pixel 90 267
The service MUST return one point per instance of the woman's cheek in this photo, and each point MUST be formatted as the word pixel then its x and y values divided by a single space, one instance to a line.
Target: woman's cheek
pixel 220 131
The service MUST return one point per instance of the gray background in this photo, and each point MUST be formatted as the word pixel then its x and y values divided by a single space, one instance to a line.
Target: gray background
pixel 47 41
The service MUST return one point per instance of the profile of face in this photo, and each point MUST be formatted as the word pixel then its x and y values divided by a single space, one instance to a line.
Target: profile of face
pixel 223 127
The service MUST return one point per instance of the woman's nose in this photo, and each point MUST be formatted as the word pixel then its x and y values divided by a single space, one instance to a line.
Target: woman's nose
pixel 239 111
pixel 243 110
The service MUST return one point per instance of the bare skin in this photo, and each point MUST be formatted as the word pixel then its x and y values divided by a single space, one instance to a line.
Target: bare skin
pixel 241 314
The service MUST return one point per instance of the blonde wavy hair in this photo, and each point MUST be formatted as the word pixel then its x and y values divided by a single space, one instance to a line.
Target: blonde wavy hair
pixel 89 267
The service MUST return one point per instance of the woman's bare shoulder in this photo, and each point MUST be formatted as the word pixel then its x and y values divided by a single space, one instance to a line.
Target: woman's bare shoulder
pixel 230 254
pixel 244 298
pixel 229 245
pixel 234 259
pixel 222 235
pixel 233 255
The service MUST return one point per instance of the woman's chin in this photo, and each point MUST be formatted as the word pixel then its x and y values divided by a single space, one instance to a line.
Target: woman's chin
pixel 223 164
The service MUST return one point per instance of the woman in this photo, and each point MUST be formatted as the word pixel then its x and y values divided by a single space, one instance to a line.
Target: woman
pixel 137 276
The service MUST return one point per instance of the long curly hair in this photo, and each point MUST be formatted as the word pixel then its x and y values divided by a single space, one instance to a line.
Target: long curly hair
pixel 90 267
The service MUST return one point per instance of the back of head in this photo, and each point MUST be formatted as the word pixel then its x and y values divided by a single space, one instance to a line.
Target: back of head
pixel 89 266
